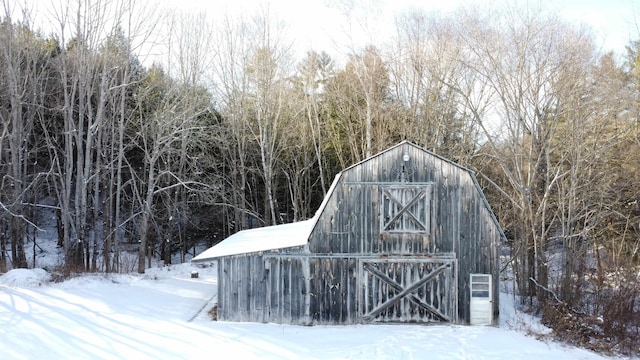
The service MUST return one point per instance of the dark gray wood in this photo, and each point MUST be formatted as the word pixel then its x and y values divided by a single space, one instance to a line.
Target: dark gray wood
pixel 430 307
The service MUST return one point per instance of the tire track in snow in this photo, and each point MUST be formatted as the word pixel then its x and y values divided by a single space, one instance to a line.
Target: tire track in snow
pixel 203 307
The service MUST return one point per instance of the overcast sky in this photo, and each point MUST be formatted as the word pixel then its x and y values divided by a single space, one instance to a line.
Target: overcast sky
pixel 320 24
pixel 317 22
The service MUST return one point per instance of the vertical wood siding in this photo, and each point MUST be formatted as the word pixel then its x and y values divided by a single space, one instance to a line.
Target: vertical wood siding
pixel 432 297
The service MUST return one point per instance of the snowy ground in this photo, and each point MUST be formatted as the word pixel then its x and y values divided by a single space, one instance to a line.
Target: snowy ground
pixel 162 315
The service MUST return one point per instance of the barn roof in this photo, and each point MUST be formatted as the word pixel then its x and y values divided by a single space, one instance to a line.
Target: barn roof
pixel 266 238
pixel 407 142
pixel 260 239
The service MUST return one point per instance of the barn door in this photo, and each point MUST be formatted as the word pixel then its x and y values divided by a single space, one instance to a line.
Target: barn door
pixel 407 290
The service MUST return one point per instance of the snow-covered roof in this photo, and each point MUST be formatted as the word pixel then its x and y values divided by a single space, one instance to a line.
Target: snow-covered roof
pixel 260 239
pixel 268 237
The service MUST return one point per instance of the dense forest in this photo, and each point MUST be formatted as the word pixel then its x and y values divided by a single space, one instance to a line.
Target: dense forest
pixel 229 130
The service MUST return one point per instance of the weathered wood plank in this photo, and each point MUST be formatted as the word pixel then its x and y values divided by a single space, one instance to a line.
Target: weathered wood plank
pixel 400 289
pixel 406 291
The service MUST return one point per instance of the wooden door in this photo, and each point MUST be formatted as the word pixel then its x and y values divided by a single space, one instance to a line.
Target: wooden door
pixel 408 290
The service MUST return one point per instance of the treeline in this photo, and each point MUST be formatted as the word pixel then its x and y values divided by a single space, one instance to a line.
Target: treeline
pixel 231 131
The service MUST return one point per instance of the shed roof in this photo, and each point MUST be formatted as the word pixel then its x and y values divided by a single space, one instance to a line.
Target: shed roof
pixel 266 238
pixel 260 239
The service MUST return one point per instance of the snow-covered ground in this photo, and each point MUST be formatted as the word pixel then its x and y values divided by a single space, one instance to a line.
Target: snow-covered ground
pixel 163 315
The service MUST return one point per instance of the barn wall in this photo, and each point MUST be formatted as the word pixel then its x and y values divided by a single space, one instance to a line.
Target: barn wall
pixel 241 288
pixel 460 223
pixel 267 287
pixel 476 246
pixel 287 290
pixel 333 284
pixel 350 223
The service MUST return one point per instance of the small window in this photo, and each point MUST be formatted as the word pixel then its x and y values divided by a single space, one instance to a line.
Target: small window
pixel 477 286
pixel 480 294
pixel 479 290
pixel 480 286
pixel 480 278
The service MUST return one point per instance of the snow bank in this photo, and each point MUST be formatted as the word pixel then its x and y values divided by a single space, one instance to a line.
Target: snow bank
pixel 25 278
pixel 181 271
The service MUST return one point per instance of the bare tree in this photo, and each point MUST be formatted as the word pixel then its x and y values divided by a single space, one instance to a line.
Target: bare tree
pixel 169 112
pixel 423 62
pixel 361 20
pixel 268 79
pixel 358 96
pixel 518 56
pixel 190 53
pixel 314 73
pixel 24 59
pixel 97 72
pixel 231 93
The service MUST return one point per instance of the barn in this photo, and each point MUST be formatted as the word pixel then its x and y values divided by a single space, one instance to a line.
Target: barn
pixel 405 236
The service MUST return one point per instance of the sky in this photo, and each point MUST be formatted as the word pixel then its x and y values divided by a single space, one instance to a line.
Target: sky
pixel 317 22
pixel 613 21
pixel 322 25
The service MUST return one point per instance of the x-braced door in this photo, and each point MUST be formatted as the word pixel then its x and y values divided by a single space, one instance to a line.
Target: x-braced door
pixel 408 290
pixel 406 209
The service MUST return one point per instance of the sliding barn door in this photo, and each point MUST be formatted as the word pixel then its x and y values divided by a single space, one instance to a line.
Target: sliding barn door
pixel 408 290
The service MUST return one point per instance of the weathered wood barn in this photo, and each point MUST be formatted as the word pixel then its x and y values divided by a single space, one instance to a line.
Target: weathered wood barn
pixel 403 236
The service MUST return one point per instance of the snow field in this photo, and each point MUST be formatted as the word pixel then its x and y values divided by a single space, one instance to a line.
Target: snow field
pixel 162 315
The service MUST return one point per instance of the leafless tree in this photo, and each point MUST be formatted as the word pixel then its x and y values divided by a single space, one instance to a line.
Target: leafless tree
pixel 268 75
pixel 314 72
pixel 97 74
pixel 190 59
pixel 424 68
pixel 25 63
pixel 168 121
pixel 521 59
pixel 230 91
